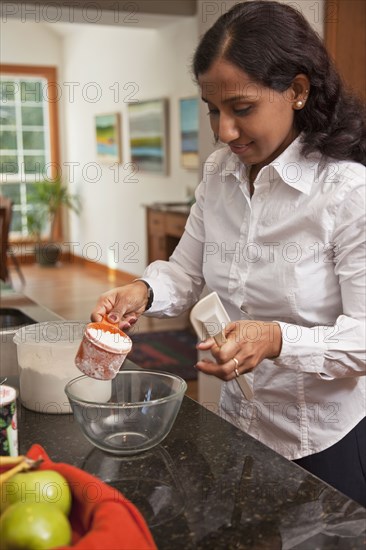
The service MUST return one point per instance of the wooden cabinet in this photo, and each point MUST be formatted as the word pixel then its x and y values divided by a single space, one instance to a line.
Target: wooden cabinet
pixel 165 225
pixel 345 38
pixel 157 249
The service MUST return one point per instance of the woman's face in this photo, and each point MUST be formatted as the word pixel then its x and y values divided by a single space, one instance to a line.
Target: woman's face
pixel 256 122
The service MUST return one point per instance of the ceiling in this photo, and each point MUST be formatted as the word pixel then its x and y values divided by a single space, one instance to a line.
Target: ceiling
pixel 132 13
pixel 148 14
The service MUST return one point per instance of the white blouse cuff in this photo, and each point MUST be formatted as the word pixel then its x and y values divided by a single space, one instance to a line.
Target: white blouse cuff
pixel 303 349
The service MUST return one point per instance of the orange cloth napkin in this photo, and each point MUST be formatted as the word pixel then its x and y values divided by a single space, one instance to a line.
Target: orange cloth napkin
pixel 101 517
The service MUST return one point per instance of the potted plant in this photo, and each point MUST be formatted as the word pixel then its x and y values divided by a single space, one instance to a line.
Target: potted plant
pixel 47 200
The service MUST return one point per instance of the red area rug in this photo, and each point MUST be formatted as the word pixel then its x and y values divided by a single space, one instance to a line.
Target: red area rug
pixel 171 351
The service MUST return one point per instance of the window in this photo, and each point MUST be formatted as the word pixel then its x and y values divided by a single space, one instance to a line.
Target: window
pixel 28 136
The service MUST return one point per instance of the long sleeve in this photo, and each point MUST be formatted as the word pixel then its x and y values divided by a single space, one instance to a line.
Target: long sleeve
pixel 337 350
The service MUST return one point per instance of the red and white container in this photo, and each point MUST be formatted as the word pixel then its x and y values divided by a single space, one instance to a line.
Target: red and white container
pixel 102 351
pixel 8 419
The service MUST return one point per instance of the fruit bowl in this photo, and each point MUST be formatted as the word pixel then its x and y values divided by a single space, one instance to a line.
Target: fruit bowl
pixel 107 519
pixel 137 412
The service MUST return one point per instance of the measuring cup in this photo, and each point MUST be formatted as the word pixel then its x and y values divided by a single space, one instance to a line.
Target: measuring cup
pixel 103 349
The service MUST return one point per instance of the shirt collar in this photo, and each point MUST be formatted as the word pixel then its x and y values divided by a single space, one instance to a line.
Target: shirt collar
pixel 294 169
pixel 291 167
pixel 232 166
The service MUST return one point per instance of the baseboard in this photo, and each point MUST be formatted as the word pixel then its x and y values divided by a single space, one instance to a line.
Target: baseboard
pixel 24 253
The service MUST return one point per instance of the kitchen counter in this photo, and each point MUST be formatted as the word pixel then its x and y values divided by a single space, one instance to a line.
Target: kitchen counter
pixel 209 485
pixel 11 300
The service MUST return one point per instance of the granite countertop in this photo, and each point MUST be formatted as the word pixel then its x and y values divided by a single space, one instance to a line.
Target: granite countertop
pixel 208 484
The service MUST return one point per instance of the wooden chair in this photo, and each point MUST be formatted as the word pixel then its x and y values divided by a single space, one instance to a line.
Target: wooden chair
pixel 6 251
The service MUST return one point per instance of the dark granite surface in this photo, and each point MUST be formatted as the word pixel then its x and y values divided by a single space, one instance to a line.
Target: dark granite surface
pixel 209 485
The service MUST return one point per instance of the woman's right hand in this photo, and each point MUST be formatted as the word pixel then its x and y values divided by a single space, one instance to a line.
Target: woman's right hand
pixel 122 305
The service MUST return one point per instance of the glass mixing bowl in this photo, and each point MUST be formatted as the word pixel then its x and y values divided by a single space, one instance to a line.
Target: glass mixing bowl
pixel 137 413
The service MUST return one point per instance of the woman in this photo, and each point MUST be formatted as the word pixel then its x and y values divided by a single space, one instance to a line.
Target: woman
pixel 278 231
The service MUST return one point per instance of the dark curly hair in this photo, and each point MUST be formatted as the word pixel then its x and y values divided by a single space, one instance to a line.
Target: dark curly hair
pixel 272 43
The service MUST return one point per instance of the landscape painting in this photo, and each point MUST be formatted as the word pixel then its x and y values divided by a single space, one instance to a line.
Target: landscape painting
pixel 189 132
pixel 148 135
pixel 107 128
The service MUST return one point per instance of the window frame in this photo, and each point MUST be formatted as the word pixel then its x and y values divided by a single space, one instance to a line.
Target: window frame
pixel 50 74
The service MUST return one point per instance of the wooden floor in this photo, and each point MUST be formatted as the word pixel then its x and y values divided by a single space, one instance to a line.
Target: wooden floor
pixel 72 291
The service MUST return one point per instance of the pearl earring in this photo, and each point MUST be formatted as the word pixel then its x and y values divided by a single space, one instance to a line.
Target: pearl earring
pixel 299 104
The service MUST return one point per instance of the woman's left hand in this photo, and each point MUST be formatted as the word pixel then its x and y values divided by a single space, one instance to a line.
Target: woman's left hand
pixel 248 343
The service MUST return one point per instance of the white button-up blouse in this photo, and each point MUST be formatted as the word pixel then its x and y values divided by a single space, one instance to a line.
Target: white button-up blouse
pixel 294 253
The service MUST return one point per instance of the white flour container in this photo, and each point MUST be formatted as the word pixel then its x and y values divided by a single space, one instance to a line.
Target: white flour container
pixel 46 358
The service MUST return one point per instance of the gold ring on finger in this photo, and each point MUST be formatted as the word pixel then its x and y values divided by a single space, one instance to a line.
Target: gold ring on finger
pixel 237 373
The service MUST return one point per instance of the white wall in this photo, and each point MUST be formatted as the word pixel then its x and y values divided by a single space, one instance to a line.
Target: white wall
pixel 94 64
pixel 30 44
pixel 149 64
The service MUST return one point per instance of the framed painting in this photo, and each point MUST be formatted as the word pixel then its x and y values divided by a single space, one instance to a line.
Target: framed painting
pixel 108 137
pixel 188 112
pixel 149 135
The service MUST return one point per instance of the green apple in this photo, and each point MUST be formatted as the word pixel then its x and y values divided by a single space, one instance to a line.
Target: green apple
pixel 39 486
pixel 33 526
